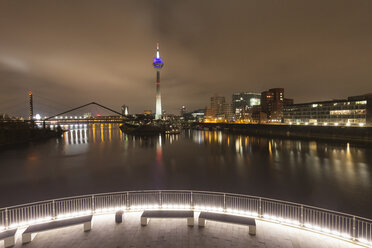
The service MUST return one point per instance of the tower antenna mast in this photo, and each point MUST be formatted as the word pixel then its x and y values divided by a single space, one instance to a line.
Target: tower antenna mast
pixel 158 64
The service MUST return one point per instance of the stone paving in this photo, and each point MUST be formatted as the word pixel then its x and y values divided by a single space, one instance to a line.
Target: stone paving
pixel 175 233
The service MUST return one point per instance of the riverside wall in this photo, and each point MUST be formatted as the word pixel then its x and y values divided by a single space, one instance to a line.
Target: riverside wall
pixel 333 133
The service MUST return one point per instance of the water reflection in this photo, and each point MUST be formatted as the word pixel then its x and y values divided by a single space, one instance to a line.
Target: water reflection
pixel 99 158
pixel 307 168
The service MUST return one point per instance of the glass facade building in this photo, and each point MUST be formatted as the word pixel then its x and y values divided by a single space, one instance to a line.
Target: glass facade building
pixel 243 102
pixel 353 111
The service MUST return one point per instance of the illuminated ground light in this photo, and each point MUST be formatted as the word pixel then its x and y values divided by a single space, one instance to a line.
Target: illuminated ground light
pixel 209 208
pixel 74 214
pixel 241 212
pixel 109 210
pixel 30 222
pixel 364 241
pixel 328 231
pixel 141 207
pixel 176 206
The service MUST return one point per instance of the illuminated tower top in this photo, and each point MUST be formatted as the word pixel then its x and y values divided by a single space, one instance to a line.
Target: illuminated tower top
pixel 158 62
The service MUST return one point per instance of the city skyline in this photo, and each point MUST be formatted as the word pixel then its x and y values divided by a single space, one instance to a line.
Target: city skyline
pixel 241 46
pixel 257 132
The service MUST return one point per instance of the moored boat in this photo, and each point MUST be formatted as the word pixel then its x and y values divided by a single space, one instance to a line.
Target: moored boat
pixel 142 129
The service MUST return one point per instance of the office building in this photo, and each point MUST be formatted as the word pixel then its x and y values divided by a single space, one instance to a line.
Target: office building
pixel 354 111
pixel 219 110
pixel 228 112
pixel 272 102
pixel 242 104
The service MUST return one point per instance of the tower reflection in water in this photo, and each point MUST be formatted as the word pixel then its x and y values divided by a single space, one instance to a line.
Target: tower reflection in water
pixel 294 170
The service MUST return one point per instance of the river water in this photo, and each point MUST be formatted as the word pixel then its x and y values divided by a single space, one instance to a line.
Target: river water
pixel 99 158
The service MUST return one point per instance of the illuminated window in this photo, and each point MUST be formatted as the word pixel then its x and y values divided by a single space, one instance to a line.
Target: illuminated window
pixel 348 112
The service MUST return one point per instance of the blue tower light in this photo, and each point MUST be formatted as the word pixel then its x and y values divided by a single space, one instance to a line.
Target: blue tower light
pixel 158 62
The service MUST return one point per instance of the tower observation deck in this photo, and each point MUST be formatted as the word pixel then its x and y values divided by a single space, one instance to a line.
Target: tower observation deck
pixel 158 64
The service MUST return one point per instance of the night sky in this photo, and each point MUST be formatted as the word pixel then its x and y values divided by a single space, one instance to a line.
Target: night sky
pixel 73 52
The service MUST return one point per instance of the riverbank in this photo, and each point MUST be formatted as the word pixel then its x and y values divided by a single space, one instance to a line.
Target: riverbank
pixel 15 133
pixel 331 133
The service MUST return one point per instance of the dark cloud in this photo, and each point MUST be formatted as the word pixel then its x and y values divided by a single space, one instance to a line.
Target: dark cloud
pixel 73 52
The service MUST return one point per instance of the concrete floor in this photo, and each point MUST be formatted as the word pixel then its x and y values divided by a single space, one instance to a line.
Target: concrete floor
pixel 175 233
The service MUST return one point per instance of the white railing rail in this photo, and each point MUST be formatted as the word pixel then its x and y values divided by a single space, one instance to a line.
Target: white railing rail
pixel 334 223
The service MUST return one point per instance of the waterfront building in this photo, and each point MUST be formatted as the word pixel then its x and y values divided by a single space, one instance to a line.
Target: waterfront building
pixel 158 64
pixel 272 102
pixel 198 115
pixel 219 110
pixel 287 102
pixel 242 104
pixel 217 103
pixel 208 113
pixel 355 110
pixel 228 112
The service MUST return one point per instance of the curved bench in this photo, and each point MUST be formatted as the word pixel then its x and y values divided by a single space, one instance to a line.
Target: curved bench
pixel 251 222
pixel 31 231
pixel 8 237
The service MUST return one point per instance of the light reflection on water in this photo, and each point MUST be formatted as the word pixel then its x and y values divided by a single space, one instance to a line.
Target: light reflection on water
pixel 100 158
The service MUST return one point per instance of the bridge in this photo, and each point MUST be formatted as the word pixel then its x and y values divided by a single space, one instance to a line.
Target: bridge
pixel 71 115
pixel 62 118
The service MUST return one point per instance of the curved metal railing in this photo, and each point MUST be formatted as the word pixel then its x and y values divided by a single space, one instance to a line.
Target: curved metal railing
pixel 333 223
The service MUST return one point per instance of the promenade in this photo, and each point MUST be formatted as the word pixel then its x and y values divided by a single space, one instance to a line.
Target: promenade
pixel 175 233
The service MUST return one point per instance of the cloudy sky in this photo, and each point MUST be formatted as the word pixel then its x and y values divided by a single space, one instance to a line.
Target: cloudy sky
pixel 72 52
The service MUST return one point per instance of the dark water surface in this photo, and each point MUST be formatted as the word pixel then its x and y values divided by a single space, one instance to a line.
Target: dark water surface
pixel 99 158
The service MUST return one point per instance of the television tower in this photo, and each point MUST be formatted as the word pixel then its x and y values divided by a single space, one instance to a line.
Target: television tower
pixel 158 64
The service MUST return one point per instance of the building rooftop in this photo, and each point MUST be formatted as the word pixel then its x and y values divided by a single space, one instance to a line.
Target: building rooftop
pixel 349 99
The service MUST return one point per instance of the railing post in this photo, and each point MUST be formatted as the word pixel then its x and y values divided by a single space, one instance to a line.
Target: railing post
pixel 127 203
pixel 93 206
pixel 224 202
pixel 354 228
pixel 160 200
pixel 53 210
pixel 302 216
pixel 192 201
pixel 6 219
pixel 260 208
